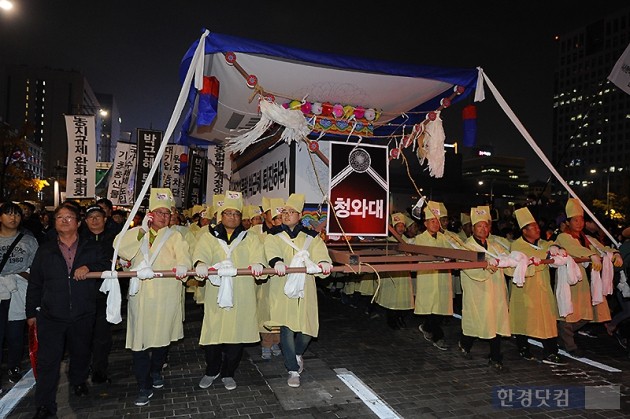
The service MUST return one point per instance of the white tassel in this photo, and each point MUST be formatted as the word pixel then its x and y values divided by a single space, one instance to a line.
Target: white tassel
pixel 293 120
pixel 433 147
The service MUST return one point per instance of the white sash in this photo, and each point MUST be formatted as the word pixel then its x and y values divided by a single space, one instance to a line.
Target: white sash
pixel 225 273
pixel 146 262
pixel 294 287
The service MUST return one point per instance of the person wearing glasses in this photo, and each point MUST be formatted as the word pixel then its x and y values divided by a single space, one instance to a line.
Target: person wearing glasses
pixel 293 297
pixel 16 251
pixel 62 305
pixel 229 319
pixel 154 309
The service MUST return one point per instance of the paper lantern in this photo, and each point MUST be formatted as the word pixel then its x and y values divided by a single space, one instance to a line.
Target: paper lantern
pixel 348 111
pixel 359 112
pixel 252 80
pixel 337 111
pixel 230 58
pixel 295 104
pixel 370 114
pixel 316 108
pixel 306 107
pixel 327 109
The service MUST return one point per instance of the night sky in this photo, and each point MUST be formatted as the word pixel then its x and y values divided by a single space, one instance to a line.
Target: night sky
pixel 132 49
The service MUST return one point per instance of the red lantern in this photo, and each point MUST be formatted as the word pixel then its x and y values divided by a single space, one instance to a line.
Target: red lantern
pixel 327 109
pixel 460 89
pixel 313 146
pixel 394 153
pixel 445 102
pixel 432 116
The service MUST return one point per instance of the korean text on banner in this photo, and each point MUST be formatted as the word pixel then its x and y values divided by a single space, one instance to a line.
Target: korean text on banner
pixel 268 175
pixel 121 182
pixel 218 180
pixel 172 177
pixel 148 144
pixel 358 190
pixel 81 178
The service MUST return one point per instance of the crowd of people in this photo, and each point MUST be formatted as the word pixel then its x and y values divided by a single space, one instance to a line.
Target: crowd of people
pixel 545 288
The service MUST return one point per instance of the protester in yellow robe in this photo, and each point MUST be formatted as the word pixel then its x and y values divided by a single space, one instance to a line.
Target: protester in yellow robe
pixel 396 291
pixel 533 307
pixel 154 318
pixel 229 319
pixel 579 245
pixel 484 305
pixel 293 298
pixel 434 289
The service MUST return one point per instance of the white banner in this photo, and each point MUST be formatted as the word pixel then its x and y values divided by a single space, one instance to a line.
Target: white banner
pixel 121 181
pixel 620 74
pixel 218 180
pixel 81 177
pixel 268 175
pixel 172 177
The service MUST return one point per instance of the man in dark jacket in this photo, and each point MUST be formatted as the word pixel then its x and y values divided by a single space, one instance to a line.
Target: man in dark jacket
pixel 95 230
pixel 62 304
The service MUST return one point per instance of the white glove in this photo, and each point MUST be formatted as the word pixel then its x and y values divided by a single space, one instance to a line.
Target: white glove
pixel 256 269
pixel 201 270
pixel 493 262
pixel 280 268
pixel 326 267
pixel 145 273
pixel 109 274
pixel 557 251
pixel 181 272
pixel 146 221
pixel 534 260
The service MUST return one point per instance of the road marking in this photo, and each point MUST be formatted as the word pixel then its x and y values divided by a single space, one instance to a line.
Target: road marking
pixel 371 400
pixel 17 393
pixel 582 360
pixel 565 353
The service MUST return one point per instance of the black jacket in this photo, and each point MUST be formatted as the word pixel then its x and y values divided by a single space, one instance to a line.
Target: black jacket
pixel 50 287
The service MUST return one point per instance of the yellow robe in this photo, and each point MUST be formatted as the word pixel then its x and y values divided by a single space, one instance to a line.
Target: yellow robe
pixel 238 323
pixel 434 289
pixel 533 307
pixel 263 287
pixel 484 300
pixel 155 313
pixel 581 292
pixel 396 290
pixel 298 314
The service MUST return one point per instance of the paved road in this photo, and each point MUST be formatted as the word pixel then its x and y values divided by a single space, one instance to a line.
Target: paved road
pixel 408 377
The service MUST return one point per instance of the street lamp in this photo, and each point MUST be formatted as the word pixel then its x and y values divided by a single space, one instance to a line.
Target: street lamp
pixel 6 5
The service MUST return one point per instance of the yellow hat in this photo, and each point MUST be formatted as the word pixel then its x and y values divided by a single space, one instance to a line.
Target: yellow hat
pixel 464 218
pixel 266 204
pixel 433 210
pixel 296 202
pixel 161 198
pixel 196 209
pixel 573 208
pixel 398 217
pixel 443 211
pixel 217 202
pixel 481 213
pixel 276 205
pixel 523 217
pixel 233 200
pixel 408 221
pixel 251 211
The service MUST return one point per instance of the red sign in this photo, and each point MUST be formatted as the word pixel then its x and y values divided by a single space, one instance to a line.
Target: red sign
pixel 358 190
